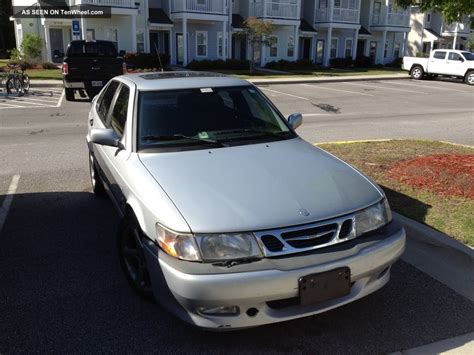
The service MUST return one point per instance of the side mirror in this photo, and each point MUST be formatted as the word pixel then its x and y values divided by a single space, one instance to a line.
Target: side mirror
pixel 295 120
pixel 106 136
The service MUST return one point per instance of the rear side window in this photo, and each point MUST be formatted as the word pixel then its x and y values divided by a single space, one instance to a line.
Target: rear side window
pixel 439 55
pixel 454 56
pixel 92 49
pixel 106 100
pixel 119 112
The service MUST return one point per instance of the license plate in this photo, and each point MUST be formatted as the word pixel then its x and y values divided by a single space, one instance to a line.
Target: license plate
pixel 324 286
pixel 96 83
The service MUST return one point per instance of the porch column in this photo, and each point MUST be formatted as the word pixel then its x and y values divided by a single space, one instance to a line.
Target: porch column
pixel 405 43
pixel 432 45
pixel 354 44
pixel 382 48
pixel 47 43
pixel 170 44
pixel 312 55
pixel 224 37
pixel 83 29
pixel 185 40
pixel 327 48
pixel 455 39
pixel 263 50
pixel 296 43
pixel 134 33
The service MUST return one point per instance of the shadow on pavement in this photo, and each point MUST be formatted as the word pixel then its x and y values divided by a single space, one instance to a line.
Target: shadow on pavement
pixel 62 290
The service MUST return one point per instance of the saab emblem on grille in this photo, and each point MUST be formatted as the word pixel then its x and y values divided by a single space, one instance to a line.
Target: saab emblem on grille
pixel 304 212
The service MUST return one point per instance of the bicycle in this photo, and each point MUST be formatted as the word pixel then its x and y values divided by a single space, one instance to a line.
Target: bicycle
pixel 18 82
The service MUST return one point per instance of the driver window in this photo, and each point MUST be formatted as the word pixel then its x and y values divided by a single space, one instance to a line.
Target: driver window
pixel 119 111
pixel 454 56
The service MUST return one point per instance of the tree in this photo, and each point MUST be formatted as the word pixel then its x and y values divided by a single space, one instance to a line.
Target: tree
pixel 256 31
pixel 452 10
pixel 31 46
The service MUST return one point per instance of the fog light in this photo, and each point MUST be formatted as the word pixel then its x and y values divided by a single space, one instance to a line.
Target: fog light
pixel 219 311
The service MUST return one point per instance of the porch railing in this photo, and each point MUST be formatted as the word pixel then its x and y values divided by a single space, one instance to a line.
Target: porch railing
pixel 456 27
pixel 286 9
pixel 338 15
pixel 203 6
pixel 112 3
pixel 399 18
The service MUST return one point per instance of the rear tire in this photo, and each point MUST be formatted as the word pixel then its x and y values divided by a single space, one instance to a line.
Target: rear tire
pixel 69 94
pixel 26 82
pixel 417 72
pixel 469 78
pixel 130 246
pixel 97 184
pixel 15 86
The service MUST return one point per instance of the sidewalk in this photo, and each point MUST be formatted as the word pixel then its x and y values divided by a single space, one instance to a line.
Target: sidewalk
pixel 268 81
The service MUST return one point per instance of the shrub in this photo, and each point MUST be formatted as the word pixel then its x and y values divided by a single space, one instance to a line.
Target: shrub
pixel 341 62
pixel 397 63
pixel 31 46
pixel 146 60
pixel 229 64
pixel 422 55
pixel 49 65
pixel 363 62
pixel 289 65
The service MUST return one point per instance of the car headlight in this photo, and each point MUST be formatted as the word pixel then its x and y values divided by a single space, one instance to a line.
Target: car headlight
pixel 373 217
pixel 181 246
pixel 219 247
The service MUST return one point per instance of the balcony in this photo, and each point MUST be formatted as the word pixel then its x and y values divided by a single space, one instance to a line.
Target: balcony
pixel 456 27
pixel 338 15
pixel 392 18
pixel 216 7
pixel 283 9
pixel 111 3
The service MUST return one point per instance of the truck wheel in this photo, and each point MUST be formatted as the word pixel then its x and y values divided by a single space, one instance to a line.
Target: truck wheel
pixel 417 73
pixel 69 94
pixel 132 256
pixel 469 78
pixel 96 182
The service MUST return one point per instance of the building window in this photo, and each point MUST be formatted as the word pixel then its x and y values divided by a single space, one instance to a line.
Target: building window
pixel 323 4
pixel 111 34
pixel 348 48
pixel 337 3
pixel 273 44
pixel 291 46
pixel 385 50
pixel 221 45
pixel 201 43
pixel 201 2
pixel 396 50
pixel 373 50
pixel 333 48
pixel 90 34
pixel 140 41
pixel 428 18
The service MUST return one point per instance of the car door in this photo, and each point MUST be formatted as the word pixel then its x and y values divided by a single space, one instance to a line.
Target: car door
pixel 455 64
pixel 437 64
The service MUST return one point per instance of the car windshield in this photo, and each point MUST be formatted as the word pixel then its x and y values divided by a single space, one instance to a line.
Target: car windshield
pixel 468 55
pixel 208 117
pixel 91 49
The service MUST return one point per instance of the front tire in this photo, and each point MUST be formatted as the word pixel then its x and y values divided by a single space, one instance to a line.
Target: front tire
pixel 130 243
pixel 417 72
pixel 69 94
pixel 469 78
pixel 97 185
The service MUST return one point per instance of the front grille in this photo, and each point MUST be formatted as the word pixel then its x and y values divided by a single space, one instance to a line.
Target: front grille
pixel 272 243
pixel 305 238
pixel 308 237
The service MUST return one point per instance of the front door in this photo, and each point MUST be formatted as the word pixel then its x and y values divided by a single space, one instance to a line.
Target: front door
pixel 57 44
pixel 179 48
pixel 320 51
pixel 360 48
pixel 373 51
pixel 306 48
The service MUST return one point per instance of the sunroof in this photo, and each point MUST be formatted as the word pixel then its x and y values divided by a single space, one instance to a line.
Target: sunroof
pixel 179 74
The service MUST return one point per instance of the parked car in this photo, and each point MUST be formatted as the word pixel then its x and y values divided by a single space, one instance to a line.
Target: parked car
pixel 448 62
pixel 229 218
pixel 89 65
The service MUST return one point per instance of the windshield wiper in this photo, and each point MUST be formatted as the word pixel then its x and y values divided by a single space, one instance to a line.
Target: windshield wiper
pixel 257 133
pixel 182 136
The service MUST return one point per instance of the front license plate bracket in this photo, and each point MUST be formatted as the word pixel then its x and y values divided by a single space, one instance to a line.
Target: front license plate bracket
pixel 325 286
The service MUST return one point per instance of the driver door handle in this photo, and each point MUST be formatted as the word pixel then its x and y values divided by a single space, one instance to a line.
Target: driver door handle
pixel 91 121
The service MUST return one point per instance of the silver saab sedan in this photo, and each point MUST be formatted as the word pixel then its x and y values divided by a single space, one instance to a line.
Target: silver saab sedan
pixel 228 218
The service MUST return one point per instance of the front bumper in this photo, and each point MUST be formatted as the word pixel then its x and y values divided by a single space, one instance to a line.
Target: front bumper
pixel 184 292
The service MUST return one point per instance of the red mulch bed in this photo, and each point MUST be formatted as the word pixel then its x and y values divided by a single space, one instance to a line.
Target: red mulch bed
pixel 444 174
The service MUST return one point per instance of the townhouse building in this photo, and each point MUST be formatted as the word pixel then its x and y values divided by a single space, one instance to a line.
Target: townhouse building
pixel 430 31
pixel 186 30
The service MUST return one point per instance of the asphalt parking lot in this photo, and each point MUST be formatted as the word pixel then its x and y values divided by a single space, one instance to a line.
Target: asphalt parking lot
pixel 35 98
pixel 61 287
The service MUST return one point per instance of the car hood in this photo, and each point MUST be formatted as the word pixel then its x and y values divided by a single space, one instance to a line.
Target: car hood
pixel 259 186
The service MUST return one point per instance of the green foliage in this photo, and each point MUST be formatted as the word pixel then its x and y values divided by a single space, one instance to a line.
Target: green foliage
pixel 229 64
pixel 289 65
pixel 452 10
pixel 31 46
pixel 256 32
pixel 146 60
pixel 49 65
pixel 470 43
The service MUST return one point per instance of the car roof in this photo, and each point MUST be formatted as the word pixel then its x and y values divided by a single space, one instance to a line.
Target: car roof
pixel 181 80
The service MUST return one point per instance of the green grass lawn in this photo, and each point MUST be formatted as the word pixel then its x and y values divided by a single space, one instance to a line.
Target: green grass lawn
pixel 45 74
pixel 451 215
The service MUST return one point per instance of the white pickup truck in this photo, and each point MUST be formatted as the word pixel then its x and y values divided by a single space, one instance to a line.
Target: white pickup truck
pixel 442 62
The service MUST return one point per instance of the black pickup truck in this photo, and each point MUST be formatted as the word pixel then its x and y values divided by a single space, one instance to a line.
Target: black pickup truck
pixel 89 65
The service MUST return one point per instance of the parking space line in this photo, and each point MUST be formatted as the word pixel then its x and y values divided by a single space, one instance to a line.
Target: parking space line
pixel 386 88
pixel 10 105
pixel 8 199
pixel 284 93
pixel 61 98
pixel 346 91
pixel 29 99
pixel 426 86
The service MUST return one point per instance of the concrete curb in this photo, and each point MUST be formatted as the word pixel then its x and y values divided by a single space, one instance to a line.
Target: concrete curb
pixel 427 235
pixel 45 83
pixel 301 80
